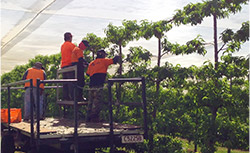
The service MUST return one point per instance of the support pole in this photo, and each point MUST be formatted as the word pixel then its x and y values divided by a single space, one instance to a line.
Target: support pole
pixel 38 113
pixel 8 109
pixel 111 118
pixel 144 108
pixel 76 123
pixel 31 114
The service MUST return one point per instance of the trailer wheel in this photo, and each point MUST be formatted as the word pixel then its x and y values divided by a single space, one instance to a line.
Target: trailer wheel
pixel 7 144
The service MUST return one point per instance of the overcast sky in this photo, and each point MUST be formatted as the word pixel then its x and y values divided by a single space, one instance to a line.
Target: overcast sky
pixel 33 27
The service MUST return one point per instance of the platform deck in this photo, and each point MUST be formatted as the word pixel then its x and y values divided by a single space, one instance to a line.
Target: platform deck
pixel 55 126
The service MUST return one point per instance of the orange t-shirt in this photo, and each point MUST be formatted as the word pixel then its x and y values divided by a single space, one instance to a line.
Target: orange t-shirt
pixel 66 51
pixel 76 54
pixel 34 74
pixel 99 65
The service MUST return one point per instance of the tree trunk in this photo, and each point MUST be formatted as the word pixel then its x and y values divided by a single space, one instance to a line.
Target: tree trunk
pixel 159 65
pixel 195 147
pixel 214 110
pixel 118 86
pixel 196 137
pixel 216 56
pixel 120 62
pixel 159 53
pixel 213 129
pixel 158 80
pixel 228 150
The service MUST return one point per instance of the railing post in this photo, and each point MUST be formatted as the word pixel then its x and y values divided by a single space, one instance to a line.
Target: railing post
pixel 8 109
pixel 31 113
pixel 76 123
pixel 111 117
pixel 144 108
pixel 38 112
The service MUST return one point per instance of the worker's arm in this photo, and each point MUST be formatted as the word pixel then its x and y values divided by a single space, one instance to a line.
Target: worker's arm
pixel 88 70
pixel 44 75
pixel 116 59
pixel 25 75
pixel 83 61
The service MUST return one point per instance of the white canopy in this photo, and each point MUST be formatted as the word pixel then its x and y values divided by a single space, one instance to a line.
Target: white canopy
pixel 32 27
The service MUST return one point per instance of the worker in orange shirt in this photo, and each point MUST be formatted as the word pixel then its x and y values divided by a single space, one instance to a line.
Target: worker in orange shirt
pixel 66 52
pixel 77 58
pixel 34 73
pixel 97 70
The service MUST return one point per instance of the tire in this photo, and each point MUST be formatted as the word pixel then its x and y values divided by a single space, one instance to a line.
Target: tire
pixel 7 144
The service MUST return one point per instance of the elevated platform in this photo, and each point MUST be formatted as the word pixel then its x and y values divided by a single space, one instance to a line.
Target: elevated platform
pixel 59 128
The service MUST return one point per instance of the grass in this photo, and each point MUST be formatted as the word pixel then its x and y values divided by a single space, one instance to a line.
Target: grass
pixel 190 147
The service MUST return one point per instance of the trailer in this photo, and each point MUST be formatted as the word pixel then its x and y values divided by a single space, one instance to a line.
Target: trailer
pixel 72 135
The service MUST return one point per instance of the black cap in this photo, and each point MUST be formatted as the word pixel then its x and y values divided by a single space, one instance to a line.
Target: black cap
pixel 38 65
pixel 101 52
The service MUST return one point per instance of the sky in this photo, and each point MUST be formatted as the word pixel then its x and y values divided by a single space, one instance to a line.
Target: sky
pixel 36 27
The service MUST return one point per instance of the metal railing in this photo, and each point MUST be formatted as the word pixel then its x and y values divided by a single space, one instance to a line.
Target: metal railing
pixel 74 81
pixel 122 80
pixel 63 81
pixel 9 85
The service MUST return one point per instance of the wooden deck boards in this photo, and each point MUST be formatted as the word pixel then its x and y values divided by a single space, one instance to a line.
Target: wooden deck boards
pixel 55 126
pixel 24 126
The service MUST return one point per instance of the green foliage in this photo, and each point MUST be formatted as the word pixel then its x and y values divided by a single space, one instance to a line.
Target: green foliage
pixel 195 13
pixel 95 44
pixel 233 134
pixel 145 29
pixel 235 40
pixel 161 144
pixel 166 144
pixel 138 60
pixel 159 28
pixel 121 35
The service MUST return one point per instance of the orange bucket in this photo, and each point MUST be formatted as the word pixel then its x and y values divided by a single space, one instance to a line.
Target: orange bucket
pixel 15 115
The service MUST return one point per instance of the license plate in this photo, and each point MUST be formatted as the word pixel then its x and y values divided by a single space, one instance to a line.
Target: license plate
pixel 132 138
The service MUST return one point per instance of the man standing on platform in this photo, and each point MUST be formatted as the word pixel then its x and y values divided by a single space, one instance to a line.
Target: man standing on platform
pixel 77 58
pixel 34 73
pixel 97 70
pixel 66 52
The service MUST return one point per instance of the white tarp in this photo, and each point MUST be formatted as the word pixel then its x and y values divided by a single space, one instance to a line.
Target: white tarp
pixel 32 27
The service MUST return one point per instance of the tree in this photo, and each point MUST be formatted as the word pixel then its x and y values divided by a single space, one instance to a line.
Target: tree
pixel 138 60
pixel 121 36
pixel 95 43
pixel 235 111
pixel 157 29
pixel 194 14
